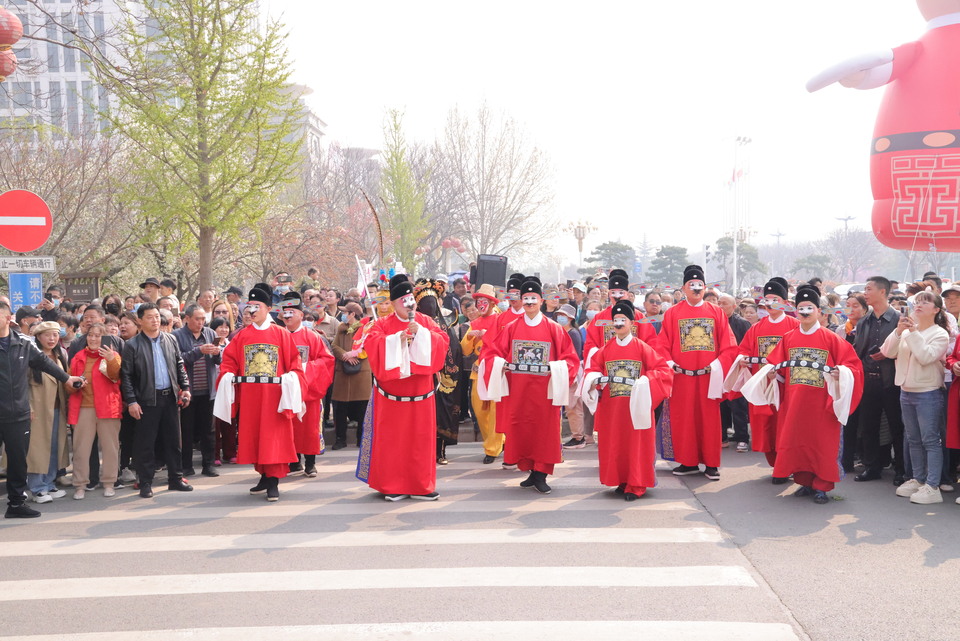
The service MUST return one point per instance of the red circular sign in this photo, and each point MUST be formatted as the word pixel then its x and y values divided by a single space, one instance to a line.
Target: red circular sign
pixel 25 221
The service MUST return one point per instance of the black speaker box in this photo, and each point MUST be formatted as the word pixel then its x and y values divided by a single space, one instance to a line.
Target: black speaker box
pixel 491 269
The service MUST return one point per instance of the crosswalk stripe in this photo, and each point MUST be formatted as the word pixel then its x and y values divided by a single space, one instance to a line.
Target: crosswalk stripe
pixel 193 543
pixel 379 579
pixel 339 507
pixel 461 631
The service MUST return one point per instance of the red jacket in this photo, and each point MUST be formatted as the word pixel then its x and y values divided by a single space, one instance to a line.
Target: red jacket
pixel 106 393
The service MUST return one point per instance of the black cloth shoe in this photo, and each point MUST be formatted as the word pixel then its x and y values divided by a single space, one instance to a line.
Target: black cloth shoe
pixel 310 471
pixel 620 488
pixel 22 511
pixel 867 475
pixel 487 460
pixel 630 496
pixel 209 471
pixel 712 473
pixel 528 482
pixel 339 444
pixel 189 471
pixel 433 496
pixel 540 483
pixel 146 491
pixel 442 461
pixel 296 467
pixel 273 489
pixel 685 470
pixel 804 491
pixel 260 487
pixel 820 497
pixel 780 480
pixel 179 485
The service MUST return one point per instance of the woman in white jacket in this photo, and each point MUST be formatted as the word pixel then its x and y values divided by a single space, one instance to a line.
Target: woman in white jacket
pixel 919 344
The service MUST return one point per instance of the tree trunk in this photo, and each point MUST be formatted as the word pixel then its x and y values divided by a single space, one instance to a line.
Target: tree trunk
pixel 205 275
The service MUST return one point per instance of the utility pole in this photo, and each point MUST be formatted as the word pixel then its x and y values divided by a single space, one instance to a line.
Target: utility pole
pixel 779 261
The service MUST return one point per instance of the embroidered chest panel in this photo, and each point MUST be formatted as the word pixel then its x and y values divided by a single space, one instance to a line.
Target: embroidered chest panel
pixel 260 359
pixel 527 352
pixel 696 335
pixel 765 344
pixel 807 375
pixel 628 369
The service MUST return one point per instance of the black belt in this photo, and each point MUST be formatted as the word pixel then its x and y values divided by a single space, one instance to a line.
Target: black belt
pixel 165 392
pixel 616 379
pixel 756 360
pixel 826 369
pixel 402 399
pixel 691 372
pixel 527 368
pixel 257 379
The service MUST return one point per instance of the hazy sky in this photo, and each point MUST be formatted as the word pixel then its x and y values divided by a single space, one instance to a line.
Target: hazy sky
pixel 637 104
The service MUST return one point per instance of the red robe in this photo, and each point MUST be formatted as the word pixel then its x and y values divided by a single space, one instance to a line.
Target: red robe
pixel 529 418
pixel 318 366
pixel 265 435
pixel 402 455
pixel 693 337
pixel 501 322
pixel 628 455
pixel 759 341
pixel 809 436
pixel 600 331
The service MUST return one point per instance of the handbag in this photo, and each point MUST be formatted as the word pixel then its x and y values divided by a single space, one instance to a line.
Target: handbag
pixel 350 368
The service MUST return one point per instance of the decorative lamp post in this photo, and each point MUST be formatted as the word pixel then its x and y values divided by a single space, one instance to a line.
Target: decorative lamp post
pixel 11 30
pixel 580 230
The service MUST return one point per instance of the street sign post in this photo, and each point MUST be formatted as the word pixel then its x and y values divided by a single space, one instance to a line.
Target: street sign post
pixel 25 221
pixel 25 289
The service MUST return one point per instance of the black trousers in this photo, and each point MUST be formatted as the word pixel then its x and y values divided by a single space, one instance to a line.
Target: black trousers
pixel 850 441
pixel 327 404
pixel 876 400
pixel 15 437
pixel 196 422
pixel 344 411
pixel 127 431
pixel 734 412
pixel 161 420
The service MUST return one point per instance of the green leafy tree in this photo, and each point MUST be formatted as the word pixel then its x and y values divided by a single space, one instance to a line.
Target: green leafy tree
pixel 610 255
pixel 812 265
pixel 749 264
pixel 404 195
pixel 667 266
pixel 204 94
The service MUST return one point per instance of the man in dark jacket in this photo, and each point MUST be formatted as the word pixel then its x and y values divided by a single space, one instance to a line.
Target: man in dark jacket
pixel 17 354
pixel 153 382
pixel 201 358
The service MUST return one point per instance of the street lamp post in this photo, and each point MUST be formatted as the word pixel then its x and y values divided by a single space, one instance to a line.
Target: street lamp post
pixel 738 202
pixel 580 230
pixel 778 267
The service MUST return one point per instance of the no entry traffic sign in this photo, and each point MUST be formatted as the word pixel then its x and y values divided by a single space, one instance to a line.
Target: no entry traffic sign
pixel 25 221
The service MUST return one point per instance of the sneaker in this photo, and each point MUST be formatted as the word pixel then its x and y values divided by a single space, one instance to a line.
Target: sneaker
pixel 22 511
pixel 339 444
pixel 78 493
pixel 118 484
pixel 216 462
pixel 926 495
pixel 57 494
pixel 820 497
pixel 395 497
pixel 946 487
pixel 128 475
pixel 42 497
pixel 93 486
pixel 724 444
pixel 575 444
pixel 908 488
pixel 743 447
pixel 686 470
pixel 109 491
pixel 712 473
pixel 433 496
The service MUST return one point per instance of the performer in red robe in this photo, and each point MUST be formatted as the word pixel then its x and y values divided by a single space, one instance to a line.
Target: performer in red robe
pixel 758 342
pixel 528 370
pixel 318 364
pixel 634 379
pixel 600 330
pixel 697 342
pixel 263 359
pixel 398 452
pixel 822 381
pixel 509 316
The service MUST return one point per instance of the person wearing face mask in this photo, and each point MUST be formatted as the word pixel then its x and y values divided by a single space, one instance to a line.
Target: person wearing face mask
pixel 697 342
pixel 318 371
pixel 405 349
pixel 472 343
pixel 531 364
pixel 633 379
pixel 815 379
pixel 757 343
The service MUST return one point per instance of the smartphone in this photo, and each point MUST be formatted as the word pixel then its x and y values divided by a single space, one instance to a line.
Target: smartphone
pixel 218 340
pixel 904 311
pixel 874 350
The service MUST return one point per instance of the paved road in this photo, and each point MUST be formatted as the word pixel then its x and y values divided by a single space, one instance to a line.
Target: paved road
pixel 332 560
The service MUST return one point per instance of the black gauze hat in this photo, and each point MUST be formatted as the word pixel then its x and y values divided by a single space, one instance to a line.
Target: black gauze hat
pixel 808 294
pixel 532 286
pixel 257 295
pixel 618 280
pixel 400 286
pixel 693 272
pixel 515 281
pixel 623 307
pixel 777 286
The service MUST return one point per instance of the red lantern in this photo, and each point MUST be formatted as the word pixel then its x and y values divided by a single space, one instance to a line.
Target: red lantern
pixel 8 64
pixel 11 29
pixel 446 243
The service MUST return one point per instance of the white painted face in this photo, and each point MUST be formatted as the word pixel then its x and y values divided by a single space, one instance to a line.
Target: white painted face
pixel 806 309
pixel 531 300
pixel 617 293
pixel 620 321
pixel 697 285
